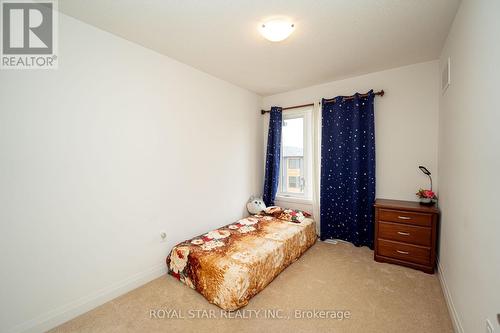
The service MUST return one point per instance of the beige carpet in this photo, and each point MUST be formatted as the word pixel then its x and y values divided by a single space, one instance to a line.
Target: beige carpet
pixel 380 298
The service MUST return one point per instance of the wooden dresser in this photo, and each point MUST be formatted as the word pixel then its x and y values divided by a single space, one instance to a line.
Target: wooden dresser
pixel 405 234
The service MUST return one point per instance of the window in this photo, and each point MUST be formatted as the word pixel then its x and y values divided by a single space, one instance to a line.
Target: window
pixel 294 163
pixel 296 147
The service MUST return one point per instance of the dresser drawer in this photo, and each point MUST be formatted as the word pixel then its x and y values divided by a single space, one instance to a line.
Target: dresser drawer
pixel 405 233
pixel 399 216
pixel 406 252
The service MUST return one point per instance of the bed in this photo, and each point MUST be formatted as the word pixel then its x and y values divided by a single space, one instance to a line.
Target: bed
pixel 230 265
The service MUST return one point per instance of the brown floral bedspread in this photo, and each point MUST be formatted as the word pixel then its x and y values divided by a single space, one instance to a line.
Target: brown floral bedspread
pixel 230 265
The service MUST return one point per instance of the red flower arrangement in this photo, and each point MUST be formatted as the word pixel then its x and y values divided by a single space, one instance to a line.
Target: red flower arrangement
pixel 426 194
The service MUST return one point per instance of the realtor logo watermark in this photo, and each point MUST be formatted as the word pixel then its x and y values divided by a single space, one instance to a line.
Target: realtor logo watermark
pixel 29 34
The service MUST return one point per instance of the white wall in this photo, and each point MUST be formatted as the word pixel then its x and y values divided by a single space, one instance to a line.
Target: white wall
pixel 100 155
pixel 406 123
pixel 469 166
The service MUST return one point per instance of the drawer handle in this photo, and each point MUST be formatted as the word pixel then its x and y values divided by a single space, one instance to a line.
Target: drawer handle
pixel 404 217
pixel 402 252
pixel 404 233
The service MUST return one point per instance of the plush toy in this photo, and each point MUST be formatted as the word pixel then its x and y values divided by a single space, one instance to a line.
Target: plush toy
pixel 255 205
pixel 272 210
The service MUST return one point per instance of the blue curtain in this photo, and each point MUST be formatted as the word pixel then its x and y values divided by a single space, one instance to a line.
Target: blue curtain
pixel 348 170
pixel 273 156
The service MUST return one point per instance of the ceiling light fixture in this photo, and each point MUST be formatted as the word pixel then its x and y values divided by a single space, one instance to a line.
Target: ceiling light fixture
pixel 276 30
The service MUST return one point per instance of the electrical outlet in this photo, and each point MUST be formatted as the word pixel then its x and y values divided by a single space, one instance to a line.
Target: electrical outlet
pixel 163 236
pixel 489 326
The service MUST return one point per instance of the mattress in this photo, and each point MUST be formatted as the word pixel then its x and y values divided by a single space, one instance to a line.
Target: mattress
pixel 230 265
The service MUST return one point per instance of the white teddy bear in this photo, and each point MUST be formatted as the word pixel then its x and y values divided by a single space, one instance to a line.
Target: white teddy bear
pixel 255 205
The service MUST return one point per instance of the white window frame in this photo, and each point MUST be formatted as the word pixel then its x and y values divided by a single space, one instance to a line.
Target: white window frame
pixel 306 197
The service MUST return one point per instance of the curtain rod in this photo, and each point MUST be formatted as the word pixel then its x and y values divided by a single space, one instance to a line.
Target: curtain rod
pixel 331 100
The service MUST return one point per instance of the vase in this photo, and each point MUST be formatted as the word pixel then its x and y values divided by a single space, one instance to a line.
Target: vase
pixel 426 201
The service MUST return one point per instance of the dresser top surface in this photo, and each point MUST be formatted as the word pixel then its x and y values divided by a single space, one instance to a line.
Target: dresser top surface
pixel 405 205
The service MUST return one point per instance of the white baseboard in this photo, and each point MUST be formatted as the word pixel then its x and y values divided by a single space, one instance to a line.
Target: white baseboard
pixel 335 241
pixel 73 309
pixel 455 319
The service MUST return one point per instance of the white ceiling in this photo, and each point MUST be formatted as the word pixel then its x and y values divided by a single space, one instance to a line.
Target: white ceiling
pixel 333 39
